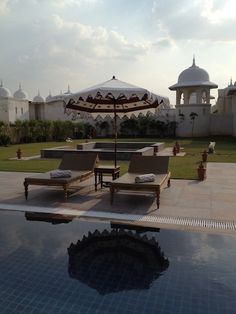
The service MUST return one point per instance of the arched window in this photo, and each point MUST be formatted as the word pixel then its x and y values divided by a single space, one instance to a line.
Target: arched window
pixel 193 98
pixel 204 97
pixel 182 98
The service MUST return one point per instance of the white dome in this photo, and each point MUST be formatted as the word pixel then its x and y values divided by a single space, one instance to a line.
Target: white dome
pixel 4 92
pixel 38 98
pixel 49 97
pixel 193 76
pixel 68 91
pixel 20 93
pixel 58 97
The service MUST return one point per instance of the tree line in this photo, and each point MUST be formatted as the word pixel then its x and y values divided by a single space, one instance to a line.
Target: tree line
pixel 41 131
pixel 45 131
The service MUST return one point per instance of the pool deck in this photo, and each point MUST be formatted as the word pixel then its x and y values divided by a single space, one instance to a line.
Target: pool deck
pixel 208 205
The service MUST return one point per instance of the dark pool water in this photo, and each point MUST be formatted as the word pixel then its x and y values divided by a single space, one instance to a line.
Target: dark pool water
pixel 83 267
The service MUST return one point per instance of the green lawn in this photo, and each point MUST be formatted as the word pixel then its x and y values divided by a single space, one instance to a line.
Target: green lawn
pixel 180 167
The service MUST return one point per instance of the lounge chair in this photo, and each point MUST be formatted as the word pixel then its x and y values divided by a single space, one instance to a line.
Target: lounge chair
pixel 140 165
pixel 81 167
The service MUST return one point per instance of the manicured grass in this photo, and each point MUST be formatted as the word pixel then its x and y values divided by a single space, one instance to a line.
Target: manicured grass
pixel 180 167
pixel 34 165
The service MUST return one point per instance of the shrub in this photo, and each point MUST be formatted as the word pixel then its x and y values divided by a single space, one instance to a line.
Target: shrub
pixel 4 140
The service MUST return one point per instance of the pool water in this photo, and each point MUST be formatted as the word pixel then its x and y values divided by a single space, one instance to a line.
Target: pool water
pixel 84 267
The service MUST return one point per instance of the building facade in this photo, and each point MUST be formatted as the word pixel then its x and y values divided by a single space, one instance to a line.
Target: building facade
pixel 14 107
pixel 193 111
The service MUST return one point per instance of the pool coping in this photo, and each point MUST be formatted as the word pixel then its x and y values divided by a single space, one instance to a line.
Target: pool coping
pixel 160 221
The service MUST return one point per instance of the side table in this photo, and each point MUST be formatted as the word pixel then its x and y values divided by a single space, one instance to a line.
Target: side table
pixel 105 170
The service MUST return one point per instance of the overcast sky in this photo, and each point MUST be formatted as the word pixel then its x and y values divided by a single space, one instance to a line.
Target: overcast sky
pixel 48 44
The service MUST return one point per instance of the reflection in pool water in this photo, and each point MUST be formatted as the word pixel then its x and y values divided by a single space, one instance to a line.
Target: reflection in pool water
pixel 196 274
pixel 123 260
pixel 46 217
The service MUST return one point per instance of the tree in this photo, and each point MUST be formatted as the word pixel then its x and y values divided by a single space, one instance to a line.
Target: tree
pixel 172 128
pixel 193 116
pixel 129 127
pixel 181 117
pixel 156 128
pixel 61 130
pixel 143 122
pixel 78 131
pixel 5 139
pixel 104 128
pixel 44 131
pixel 89 131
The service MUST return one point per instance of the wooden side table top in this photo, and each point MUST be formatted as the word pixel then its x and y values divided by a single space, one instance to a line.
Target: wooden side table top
pixel 106 169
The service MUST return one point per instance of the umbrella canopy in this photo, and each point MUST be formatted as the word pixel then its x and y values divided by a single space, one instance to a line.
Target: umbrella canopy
pixel 112 96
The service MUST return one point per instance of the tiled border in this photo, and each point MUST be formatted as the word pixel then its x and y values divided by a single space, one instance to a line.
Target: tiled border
pixel 144 220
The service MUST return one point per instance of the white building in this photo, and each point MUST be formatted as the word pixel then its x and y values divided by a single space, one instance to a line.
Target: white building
pixel 223 118
pixel 51 108
pixel 226 99
pixel 14 107
pixel 193 108
pixel 193 111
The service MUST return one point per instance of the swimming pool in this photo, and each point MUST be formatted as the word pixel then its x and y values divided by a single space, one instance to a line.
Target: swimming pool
pixel 85 267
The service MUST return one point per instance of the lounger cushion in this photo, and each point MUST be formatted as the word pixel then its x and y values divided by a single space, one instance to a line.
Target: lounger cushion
pixel 60 173
pixel 127 181
pixel 149 177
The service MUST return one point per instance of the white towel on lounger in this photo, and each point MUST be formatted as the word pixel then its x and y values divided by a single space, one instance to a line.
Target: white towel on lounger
pixel 149 177
pixel 60 173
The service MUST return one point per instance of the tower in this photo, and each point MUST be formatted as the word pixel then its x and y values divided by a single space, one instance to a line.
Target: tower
pixel 193 101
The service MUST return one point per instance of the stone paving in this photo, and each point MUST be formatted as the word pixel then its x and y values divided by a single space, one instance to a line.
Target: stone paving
pixel 189 200
pixel 168 151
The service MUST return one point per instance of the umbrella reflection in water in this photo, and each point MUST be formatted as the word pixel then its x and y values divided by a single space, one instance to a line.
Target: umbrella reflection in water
pixel 116 260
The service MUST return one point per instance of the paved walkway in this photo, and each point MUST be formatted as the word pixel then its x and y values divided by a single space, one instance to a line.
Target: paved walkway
pixel 168 151
pixel 188 204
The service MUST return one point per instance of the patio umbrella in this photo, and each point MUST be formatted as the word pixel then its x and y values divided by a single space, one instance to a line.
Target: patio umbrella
pixel 112 96
pixel 116 260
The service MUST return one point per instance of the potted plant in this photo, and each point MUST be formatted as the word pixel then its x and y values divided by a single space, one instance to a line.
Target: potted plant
pixel 177 147
pixel 174 150
pixel 18 153
pixel 201 171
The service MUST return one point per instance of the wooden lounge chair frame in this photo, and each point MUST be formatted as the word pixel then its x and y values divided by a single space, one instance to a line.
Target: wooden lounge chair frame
pixel 142 165
pixel 81 166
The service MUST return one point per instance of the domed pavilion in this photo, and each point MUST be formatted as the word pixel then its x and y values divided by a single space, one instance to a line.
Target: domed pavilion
pixel 193 97
pixel 193 86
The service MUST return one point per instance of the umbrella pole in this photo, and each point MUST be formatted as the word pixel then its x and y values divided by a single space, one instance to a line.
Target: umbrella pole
pixel 115 130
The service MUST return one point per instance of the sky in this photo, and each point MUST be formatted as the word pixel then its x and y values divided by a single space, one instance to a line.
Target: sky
pixel 47 45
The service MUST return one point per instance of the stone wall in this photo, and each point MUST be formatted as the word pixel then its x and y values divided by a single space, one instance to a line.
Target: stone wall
pixel 221 124
pixel 4 114
pixel 12 109
pixel 234 125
